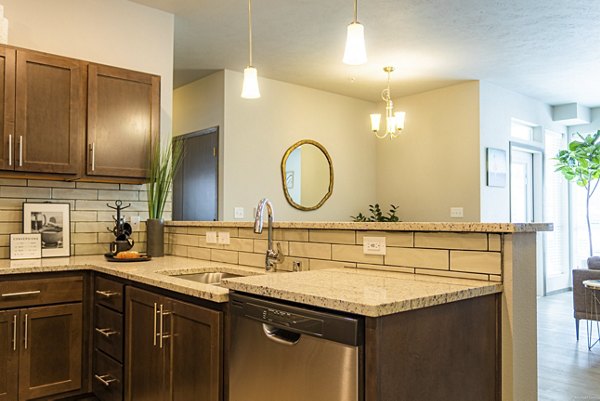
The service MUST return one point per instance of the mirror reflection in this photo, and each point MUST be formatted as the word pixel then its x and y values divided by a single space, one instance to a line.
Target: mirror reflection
pixel 307 175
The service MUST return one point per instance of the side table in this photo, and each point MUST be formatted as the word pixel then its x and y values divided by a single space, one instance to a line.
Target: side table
pixel 592 309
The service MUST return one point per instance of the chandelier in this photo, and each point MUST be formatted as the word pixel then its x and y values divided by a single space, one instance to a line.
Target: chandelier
pixel 394 121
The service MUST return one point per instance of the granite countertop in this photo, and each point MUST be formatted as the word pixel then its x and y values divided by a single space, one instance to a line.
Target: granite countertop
pixel 400 226
pixel 363 292
pixel 154 272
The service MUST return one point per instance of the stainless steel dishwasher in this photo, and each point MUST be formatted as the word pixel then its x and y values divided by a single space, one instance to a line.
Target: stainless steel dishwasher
pixel 281 352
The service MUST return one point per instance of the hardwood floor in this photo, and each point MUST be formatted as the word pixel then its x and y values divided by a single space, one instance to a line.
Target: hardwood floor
pixel 567 371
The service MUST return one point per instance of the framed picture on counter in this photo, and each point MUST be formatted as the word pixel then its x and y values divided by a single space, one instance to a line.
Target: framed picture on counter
pixel 53 222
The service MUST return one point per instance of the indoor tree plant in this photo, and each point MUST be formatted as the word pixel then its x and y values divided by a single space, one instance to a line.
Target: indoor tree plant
pixel 580 163
pixel 163 164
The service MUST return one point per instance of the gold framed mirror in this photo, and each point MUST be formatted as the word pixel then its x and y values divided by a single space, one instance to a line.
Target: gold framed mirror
pixel 307 175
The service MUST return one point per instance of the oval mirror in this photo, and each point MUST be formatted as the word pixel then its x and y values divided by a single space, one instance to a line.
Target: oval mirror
pixel 307 175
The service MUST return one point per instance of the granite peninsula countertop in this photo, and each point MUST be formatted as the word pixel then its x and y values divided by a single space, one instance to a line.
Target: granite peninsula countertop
pixel 400 226
pixel 363 292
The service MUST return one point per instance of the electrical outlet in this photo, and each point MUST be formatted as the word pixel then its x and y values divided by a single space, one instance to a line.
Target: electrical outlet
pixel 238 212
pixel 211 237
pixel 374 245
pixel 297 265
pixel 456 212
pixel 135 222
pixel 223 238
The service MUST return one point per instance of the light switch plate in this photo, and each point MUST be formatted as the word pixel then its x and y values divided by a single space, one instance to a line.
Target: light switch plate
pixel 238 212
pixel 211 237
pixel 135 222
pixel 223 238
pixel 374 245
pixel 456 212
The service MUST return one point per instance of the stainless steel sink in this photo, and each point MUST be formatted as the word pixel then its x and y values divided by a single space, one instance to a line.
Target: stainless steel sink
pixel 206 278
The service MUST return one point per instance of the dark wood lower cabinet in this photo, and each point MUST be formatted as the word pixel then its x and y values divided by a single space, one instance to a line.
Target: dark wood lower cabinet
pixel 173 349
pixel 9 355
pixel 50 355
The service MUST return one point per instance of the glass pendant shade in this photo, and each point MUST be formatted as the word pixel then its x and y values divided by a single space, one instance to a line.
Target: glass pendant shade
pixel 355 53
pixel 375 121
pixel 250 86
pixel 399 117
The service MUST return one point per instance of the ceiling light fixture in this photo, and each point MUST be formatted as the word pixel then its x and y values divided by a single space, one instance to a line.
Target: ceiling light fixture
pixel 394 121
pixel 250 86
pixel 355 53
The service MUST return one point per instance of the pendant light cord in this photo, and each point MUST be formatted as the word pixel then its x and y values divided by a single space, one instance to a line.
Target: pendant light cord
pixel 250 32
pixel 355 11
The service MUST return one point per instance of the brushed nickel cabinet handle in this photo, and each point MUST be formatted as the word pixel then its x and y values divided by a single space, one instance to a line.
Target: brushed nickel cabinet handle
pixel 26 328
pixel 160 336
pixel 107 294
pixel 14 339
pixel 20 294
pixel 93 151
pixel 105 379
pixel 10 150
pixel 20 150
pixel 107 332
pixel 162 330
pixel 154 334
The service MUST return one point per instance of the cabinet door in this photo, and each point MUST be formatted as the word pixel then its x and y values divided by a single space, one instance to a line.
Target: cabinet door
pixel 48 122
pixel 9 355
pixel 7 107
pixel 195 338
pixel 145 367
pixel 51 350
pixel 123 120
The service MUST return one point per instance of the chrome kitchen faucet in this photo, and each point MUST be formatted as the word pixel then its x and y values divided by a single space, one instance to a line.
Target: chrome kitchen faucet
pixel 272 257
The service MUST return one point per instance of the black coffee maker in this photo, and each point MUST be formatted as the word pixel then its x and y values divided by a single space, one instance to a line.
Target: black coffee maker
pixel 121 230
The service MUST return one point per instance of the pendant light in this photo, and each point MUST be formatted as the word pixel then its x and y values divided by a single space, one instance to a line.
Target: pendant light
pixel 250 86
pixel 355 53
pixel 394 121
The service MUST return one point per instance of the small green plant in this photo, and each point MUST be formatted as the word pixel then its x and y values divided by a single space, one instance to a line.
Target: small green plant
pixel 377 214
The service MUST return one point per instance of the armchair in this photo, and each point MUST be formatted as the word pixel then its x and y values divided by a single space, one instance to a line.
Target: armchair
pixel 579 276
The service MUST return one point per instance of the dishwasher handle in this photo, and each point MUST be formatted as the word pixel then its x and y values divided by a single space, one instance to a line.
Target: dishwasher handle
pixel 281 336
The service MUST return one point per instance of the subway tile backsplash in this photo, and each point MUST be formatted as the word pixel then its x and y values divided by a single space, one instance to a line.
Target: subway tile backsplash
pixel 90 217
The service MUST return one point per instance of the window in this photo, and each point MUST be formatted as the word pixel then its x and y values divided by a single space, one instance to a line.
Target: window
pixel 522 131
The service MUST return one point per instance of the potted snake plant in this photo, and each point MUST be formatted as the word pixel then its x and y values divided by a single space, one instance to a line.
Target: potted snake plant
pixel 163 164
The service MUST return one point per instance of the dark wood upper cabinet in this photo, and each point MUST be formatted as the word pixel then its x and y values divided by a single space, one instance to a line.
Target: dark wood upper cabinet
pixel 123 120
pixel 51 350
pixel 7 107
pixel 49 113
pixel 9 355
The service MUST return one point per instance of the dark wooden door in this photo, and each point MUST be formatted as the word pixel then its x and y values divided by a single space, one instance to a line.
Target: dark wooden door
pixel 51 350
pixel 195 338
pixel 49 113
pixel 195 186
pixel 123 120
pixel 144 360
pixel 7 108
pixel 9 355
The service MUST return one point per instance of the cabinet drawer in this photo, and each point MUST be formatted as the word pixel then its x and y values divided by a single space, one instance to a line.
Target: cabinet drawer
pixel 108 332
pixel 107 380
pixel 109 293
pixel 19 293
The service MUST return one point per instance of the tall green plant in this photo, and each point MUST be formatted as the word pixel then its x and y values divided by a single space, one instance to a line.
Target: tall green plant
pixel 580 163
pixel 163 164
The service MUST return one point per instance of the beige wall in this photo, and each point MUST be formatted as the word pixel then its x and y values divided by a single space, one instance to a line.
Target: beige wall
pixel 258 132
pixel 434 164
pixel 113 32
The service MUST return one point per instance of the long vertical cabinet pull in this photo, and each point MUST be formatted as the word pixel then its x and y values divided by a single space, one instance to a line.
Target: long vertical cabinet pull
pixel 26 329
pixel 20 150
pixel 14 339
pixel 93 157
pixel 10 150
pixel 154 334
pixel 160 336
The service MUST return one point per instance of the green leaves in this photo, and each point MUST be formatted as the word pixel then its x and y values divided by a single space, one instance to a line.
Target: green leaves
pixel 580 162
pixel 377 215
pixel 163 165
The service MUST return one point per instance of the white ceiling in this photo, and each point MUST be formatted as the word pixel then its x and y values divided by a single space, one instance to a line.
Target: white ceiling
pixel 546 49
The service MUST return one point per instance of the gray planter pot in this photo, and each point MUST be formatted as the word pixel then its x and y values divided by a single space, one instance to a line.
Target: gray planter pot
pixel 155 231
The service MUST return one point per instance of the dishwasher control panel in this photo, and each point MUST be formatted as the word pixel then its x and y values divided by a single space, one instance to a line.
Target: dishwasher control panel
pixel 302 323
